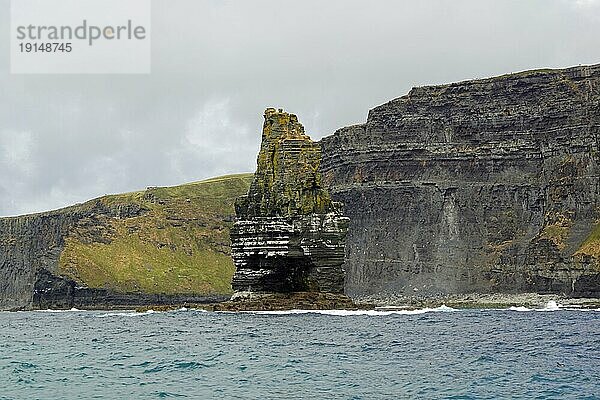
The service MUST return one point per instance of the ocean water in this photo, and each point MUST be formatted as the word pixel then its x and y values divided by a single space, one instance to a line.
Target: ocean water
pixel 423 354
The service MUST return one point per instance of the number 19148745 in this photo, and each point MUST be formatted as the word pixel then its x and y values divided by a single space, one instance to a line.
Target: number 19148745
pixel 48 47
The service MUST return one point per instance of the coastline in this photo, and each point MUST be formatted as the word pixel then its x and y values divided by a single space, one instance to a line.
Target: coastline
pixel 479 300
pixel 328 301
pixel 308 301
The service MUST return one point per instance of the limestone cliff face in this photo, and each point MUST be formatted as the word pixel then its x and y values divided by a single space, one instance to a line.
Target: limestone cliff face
pixel 288 235
pixel 29 245
pixel 161 245
pixel 480 186
pixel 489 185
pixel 30 248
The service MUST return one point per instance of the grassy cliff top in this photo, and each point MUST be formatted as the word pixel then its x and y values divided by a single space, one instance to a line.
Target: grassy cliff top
pixel 176 241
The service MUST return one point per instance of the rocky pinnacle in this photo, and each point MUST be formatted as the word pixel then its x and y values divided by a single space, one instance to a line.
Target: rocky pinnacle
pixel 288 235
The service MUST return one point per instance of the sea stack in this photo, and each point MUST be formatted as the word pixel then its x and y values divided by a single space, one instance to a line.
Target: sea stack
pixel 289 236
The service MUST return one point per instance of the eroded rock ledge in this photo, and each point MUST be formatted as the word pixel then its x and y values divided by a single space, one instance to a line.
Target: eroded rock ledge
pixel 482 186
pixel 288 236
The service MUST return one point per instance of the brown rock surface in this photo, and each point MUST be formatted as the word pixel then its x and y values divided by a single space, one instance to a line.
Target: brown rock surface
pixel 288 236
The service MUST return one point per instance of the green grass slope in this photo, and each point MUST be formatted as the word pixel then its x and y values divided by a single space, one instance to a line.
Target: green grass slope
pixel 591 246
pixel 178 243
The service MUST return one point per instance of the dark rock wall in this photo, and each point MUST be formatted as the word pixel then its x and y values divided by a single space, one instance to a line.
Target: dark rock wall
pixel 288 235
pixel 477 186
pixel 282 255
pixel 30 250
pixel 27 245
pixel 30 247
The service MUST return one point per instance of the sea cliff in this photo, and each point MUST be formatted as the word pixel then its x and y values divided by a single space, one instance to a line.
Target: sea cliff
pixel 163 245
pixel 482 189
pixel 482 186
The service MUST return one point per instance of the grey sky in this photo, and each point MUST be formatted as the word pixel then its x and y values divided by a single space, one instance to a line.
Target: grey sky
pixel 216 65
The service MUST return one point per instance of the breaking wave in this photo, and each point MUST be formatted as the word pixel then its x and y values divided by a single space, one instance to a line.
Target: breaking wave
pixel 59 311
pixel 127 314
pixel 520 308
pixel 552 306
pixel 350 313
pixel 148 312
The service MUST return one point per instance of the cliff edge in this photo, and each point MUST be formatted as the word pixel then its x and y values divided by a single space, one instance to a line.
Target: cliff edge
pixel 487 186
pixel 163 245
pixel 481 186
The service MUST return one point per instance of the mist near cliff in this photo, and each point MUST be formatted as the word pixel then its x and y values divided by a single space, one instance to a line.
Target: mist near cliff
pixel 216 65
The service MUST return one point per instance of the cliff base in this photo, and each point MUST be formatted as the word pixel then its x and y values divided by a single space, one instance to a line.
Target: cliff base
pixel 252 301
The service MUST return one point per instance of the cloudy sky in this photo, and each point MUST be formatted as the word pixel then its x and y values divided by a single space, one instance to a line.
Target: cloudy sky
pixel 216 65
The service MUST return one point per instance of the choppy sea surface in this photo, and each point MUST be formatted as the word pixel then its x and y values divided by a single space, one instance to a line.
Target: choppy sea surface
pixel 442 353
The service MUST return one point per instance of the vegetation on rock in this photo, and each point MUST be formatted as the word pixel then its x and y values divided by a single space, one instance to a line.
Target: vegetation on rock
pixel 591 246
pixel 288 236
pixel 177 243
pixel 287 181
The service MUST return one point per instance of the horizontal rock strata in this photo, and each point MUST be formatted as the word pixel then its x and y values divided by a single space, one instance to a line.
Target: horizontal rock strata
pixel 30 248
pixel 288 236
pixel 158 246
pixel 479 186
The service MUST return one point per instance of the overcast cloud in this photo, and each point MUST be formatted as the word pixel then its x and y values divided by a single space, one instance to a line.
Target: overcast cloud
pixel 216 65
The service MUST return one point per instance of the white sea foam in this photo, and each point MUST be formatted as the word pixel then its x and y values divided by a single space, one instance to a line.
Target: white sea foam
pixel 149 312
pixel 349 313
pixel 58 311
pixel 520 308
pixel 550 306
pixel 185 309
pixel 127 314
